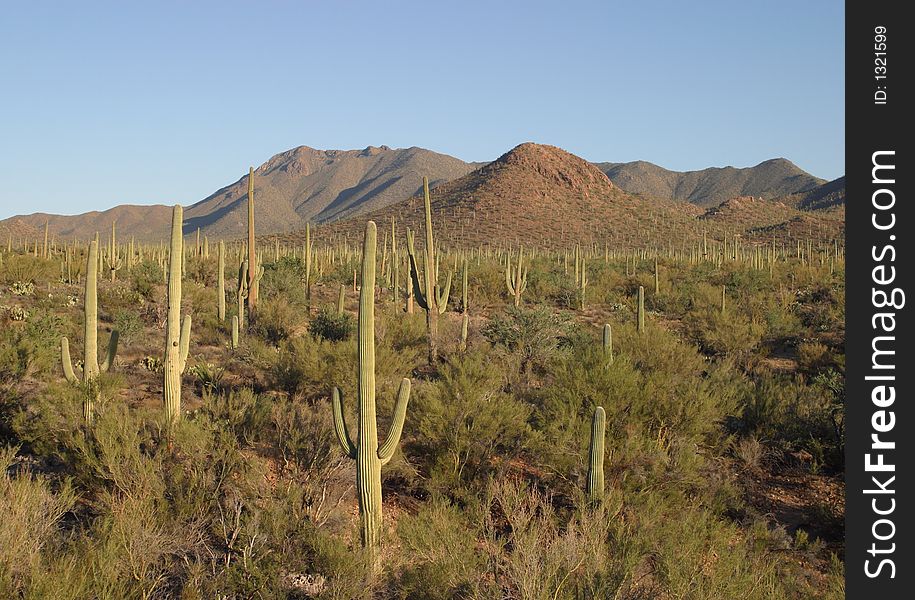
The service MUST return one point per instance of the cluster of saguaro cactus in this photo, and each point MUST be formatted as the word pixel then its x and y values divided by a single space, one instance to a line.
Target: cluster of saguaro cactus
pixel 431 298
pixel 516 277
pixel 596 455
pixel 91 367
pixel 113 256
pixel 178 334
pixel 369 456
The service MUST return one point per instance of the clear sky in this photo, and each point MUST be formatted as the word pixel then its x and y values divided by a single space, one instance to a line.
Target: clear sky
pixel 103 103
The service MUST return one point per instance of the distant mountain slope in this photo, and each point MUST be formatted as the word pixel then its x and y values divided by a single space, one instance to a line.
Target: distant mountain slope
pixel 710 187
pixel 304 184
pixel 535 195
pixel 290 189
pixel 144 222
pixel 828 196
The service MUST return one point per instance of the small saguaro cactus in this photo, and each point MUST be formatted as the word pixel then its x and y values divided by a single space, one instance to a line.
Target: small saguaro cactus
pixel 596 455
pixel 641 310
pixel 341 299
pixel 178 334
pixel 91 367
pixel 608 343
pixel 516 277
pixel 234 332
pixel 369 456
pixel 724 291
pixel 657 283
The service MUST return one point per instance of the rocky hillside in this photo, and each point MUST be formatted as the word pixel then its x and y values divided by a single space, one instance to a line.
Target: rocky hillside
pixel 710 187
pixel 538 195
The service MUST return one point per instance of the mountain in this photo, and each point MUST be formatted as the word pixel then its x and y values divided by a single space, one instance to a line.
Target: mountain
pixel 304 184
pixel 828 196
pixel 710 187
pixel 534 194
pixel 290 189
pixel 533 187
pixel 144 222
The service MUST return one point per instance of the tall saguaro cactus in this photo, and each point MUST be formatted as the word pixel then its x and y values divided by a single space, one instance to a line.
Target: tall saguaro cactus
pixel 608 343
pixel 221 282
pixel 91 368
pixel 252 249
pixel 434 299
pixel 641 309
pixel 178 334
pixel 596 455
pixel 516 277
pixel 369 456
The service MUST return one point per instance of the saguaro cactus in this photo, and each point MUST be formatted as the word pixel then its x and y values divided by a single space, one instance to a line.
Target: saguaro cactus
pixel 221 282
pixel 596 455
pixel 516 277
pixel 244 289
pixel 608 343
pixel 308 263
pixel 91 367
pixel 252 249
pixel 641 309
pixel 434 300
pixel 178 334
pixel 369 456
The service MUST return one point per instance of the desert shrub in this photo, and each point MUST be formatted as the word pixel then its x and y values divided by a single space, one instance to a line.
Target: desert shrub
pixel 277 319
pixel 532 334
pixel 328 325
pixel 285 279
pixel 145 277
pixel 446 566
pixel 796 416
pixel 128 324
pixel 33 508
pixel 463 420
pixel 27 269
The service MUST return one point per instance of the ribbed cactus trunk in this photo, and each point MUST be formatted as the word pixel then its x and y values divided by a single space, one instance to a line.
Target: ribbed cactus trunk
pixel 608 343
pixel 641 310
pixel 432 298
pixel 177 339
pixel 596 455
pixel 724 291
pixel 308 263
pixel 252 249
pixel 90 325
pixel 221 282
pixel 368 455
pixel 341 298
pixel 431 278
pixel 516 278
pixel 91 368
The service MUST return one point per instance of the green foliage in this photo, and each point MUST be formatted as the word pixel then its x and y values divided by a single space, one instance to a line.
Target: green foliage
pixel 531 334
pixel 331 326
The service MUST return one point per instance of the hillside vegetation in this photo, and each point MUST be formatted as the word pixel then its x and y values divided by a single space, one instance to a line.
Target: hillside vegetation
pixel 581 418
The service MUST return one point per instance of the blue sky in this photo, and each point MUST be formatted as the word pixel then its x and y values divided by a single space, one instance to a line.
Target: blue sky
pixel 106 103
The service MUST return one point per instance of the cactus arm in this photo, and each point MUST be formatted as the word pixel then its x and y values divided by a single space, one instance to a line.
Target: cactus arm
pixel 386 451
pixel 184 343
pixel 66 362
pixel 442 298
pixel 414 273
pixel 112 351
pixel 508 279
pixel 349 448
